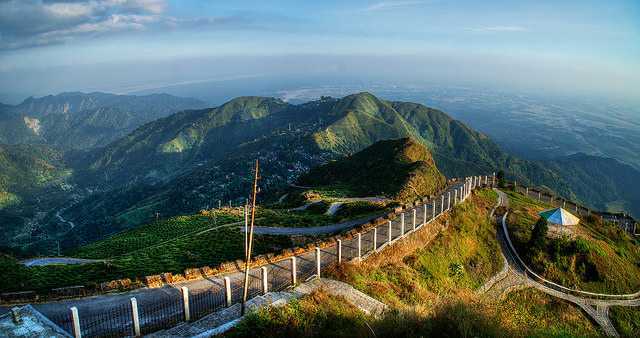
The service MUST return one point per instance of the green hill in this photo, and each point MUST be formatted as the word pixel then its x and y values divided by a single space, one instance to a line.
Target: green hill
pixel 195 158
pixel 31 177
pixel 186 161
pixel 602 182
pixel 401 169
pixel 594 256
pixel 84 120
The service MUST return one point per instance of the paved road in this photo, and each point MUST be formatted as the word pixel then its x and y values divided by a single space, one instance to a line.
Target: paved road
pixel 42 261
pixel 596 308
pixel 319 230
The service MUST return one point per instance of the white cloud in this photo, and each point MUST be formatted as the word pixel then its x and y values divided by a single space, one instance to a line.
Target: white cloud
pixel 28 23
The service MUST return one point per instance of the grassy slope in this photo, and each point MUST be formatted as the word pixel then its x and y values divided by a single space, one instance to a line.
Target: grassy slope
pixel 460 258
pixel 169 245
pixel 602 259
pixel 626 320
pixel 427 296
pixel 136 253
pixel 402 169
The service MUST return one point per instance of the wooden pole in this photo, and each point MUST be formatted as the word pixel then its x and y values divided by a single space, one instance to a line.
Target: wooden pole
pixel 245 290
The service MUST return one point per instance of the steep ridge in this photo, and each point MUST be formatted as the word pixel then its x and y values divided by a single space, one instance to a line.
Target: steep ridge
pixel 84 120
pixel 401 169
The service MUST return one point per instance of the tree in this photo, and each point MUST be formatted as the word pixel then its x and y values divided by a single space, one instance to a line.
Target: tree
pixel 500 176
pixel 538 239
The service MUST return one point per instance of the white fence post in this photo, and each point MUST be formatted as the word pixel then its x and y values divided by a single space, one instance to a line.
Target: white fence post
pixel 265 280
pixel 339 251
pixel 389 234
pixel 442 204
pixel 227 291
pixel 294 272
pixel 185 303
pixel 414 219
pixel 359 246
pixel 424 217
pixel 77 333
pixel 402 225
pixel 135 317
pixel 318 262
pixel 375 239
pixel 538 195
pixel 448 200
pixel 433 209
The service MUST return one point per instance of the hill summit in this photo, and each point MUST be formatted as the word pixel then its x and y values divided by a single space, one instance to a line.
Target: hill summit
pixel 402 169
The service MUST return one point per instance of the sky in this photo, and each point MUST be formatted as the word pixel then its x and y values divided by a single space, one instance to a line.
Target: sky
pixel 50 46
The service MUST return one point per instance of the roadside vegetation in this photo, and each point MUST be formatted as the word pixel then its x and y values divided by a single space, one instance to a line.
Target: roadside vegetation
pixel 429 284
pixel 597 256
pixel 172 245
pixel 626 320
pixel 164 246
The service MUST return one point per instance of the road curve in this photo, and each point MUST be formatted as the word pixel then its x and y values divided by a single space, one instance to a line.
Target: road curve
pixel 595 308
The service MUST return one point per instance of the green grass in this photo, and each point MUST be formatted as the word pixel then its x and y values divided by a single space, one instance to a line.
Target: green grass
pixel 461 257
pixel 135 259
pixel 8 199
pixel 601 258
pixel 154 234
pixel 532 313
pixel 429 285
pixel 316 315
pixel 626 320
pixel 525 313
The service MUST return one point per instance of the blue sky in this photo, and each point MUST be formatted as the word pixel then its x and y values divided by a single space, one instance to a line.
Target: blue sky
pixel 594 45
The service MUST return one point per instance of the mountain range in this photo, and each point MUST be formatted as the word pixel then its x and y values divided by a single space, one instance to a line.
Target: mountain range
pixel 81 121
pixel 198 158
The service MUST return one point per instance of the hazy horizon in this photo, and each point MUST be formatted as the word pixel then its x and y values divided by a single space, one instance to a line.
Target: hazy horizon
pixel 577 48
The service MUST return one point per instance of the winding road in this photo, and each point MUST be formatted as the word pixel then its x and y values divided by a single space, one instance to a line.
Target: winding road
pixel 518 275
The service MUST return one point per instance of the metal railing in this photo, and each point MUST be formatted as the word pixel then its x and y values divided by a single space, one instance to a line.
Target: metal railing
pixel 144 316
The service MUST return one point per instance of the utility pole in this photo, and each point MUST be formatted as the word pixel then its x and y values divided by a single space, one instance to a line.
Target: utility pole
pixel 246 229
pixel 248 256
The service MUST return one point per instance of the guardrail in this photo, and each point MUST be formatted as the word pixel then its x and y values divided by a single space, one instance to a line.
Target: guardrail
pixel 530 273
pixel 136 317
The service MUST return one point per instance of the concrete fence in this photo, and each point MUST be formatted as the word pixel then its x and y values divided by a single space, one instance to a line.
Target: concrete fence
pixel 136 318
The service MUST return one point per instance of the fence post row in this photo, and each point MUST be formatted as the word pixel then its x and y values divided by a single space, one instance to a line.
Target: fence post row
pixel 318 262
pixel 265 280
pixel 135 317
pixel 76 322
pixel 227 291
pixel 185 303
